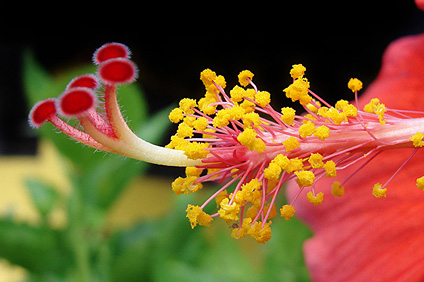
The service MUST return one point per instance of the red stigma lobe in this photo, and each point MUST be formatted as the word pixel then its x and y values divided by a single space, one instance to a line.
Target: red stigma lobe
pixel 85 80
pixel 76 101
pixel 110 51
pixel 119 70
pixel 41 112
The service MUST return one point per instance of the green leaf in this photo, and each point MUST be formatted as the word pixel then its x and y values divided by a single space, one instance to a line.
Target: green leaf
pixel 104 182
pixel 133 104
pixel 37 82
pixel 134 252
pixel 284 256
pixel 153 129
pixel 141 250
pixel 225 259
pixel 42 195
pixel 37 249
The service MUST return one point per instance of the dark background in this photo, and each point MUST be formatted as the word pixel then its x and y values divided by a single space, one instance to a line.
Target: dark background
pixel 334 42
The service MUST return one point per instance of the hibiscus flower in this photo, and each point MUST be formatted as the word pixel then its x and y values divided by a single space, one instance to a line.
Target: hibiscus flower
pixel 358 237
pixel 237 137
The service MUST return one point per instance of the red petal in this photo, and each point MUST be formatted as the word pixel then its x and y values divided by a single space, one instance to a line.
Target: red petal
pixel 420 4
pixel 400 84
pixel 361 238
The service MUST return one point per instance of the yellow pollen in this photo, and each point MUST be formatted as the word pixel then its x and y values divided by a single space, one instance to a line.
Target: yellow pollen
pixel 312 107
pixel 221 196
pixel 229 212
pixel 237 94
pixel 207 76
pixel 337 190
pixel 298 91
pixel 336 116
pixel 245 77
pixel 207 136
pixel 341 104
pixel 197 216
pixel 222 118
pixel 282 161
pixel 241 232
pixel 381 109
pixel 186 185
pixel 308 117
pixel 288 115
pixel 354 84
pixel 220 80
pixel 323 111
pixel 307 129
pixel 249 193
pixel 184 130
pixel 287 211
pixel 237 112
pixel 205 103
pixel 420 183
pixel 315 160
pixel 378 192
pixel 322 132
pixel 247 105
pixel 200 124
pixel 330 168
pixel 291 144
pixel 297 71
pixel 305 178
pixel 295 164
pixel 417 139
pixel 252 212
pixel 261 235
pixel 374 107
pixel 189 121
pixel 251 119
pixel 263 98
pixel 273 171
pixel 315 200
pixel 371 107
pixel 177 143
pixel 196 150
pixel 176 115
pixel 187 105
pixel 193 171
pixel 348 109
pixel 248 139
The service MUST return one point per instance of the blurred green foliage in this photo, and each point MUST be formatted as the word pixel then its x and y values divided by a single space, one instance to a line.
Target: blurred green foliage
pixel 165 249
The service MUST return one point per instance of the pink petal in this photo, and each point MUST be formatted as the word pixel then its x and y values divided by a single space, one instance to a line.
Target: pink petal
pixel 361 238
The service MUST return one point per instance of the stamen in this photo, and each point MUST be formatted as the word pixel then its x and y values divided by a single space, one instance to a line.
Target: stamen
pixel 399 169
